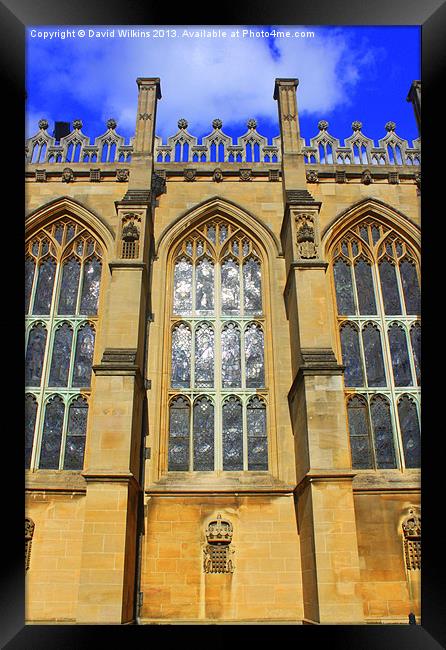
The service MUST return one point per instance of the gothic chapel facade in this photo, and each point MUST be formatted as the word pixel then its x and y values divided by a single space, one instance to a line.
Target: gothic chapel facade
pixel 222 374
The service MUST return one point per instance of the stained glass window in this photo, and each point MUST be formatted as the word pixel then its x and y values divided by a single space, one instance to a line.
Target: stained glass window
pixel 376 269
pixel 181 356
pixel 203 434
pixel 217 353
pixel 52 433
pixel 62 272
pixel 351 355
pixel 410 431
pixel 232 433
pixel 257 435
pixel 60 364
pixel 35 353
pixel 400 356
pixel 358 422
pixel 344 287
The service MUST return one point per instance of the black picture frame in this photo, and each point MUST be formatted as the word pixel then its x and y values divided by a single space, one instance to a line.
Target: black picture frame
pixel 15 16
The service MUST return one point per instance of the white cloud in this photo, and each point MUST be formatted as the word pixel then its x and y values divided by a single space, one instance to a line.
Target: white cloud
pixel 201 79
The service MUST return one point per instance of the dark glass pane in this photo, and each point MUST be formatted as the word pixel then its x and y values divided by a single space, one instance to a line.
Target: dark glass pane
pixel 60 363
pixel 58 233
pixel 182 291
pixel 76 433
pixel 204 355
pixel 44 289
pixel 84 357
pixel 230 356
pixel 358 423
pixel 90 286
pixel 69 287
pixel 351 356
pixel 382 433
pixel 255 371
pixel 52 434
pixel 70 232
pixel 211 233
pixel 415 337
pixel 400 356
pixel 30 423
pixel 181 354
pixel 363 231
pixel 232 434
pixel 34 355
pixel 411 287
pixel 30 266
pixel 205 286
pixel 410 431
pixel 373 356
pixel 355 249
pixel 200 248
pixel 203 435
pixel 179 435
pixel 375 234
pixel 389 288
pixel 230 287
pixel 252 287
pixel 257 435
pixel 223 233
pixel 344 287
pixel 364 286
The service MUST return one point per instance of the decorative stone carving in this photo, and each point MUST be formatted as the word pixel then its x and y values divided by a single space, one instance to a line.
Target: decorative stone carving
pixel 145 116
pixel 182 124
pixel 29 532
pixel 217 124
pixel 158 184
pixel 366 177
pixel 245 174
pixel 274 175
pixel 217 176
pixel 412 540
pixel 122 175
pixel 251 124
pixel 289 117
pixel 130 236
pixel 40 175
pixel 77 124
pixel 418 182
pixel 341 176
pixel 67 175
pixel 305 236
pixel 95 175
pixel 43 124
pixel 189 174
pixel 312 176
pixel 322 125
pixel 393 178
pixel 356 126
pixel 111 123
pixel 390 126
pixel 217 553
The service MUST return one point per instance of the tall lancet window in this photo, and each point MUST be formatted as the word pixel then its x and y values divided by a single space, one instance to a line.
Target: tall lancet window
pixel 63 267
pixel 217 402
pixel 377 287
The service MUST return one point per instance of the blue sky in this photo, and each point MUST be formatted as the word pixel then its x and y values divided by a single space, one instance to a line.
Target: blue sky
pixel 345 74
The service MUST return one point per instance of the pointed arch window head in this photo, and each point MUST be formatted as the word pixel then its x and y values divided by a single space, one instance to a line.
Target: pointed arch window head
pixel 63 269
pixel 217 357
pixel 377 294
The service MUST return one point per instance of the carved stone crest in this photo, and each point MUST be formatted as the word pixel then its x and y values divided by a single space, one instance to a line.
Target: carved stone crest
pixel 40 175
pixel 189 174
pixel 130 232
pixel 217 552
pixel 77 124
pixel 67 175
pixel 312 176
pixel 217 124
pixel 122 175
pixel 245 174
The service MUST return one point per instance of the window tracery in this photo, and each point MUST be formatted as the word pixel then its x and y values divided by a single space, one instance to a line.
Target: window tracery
pixel 63 268
pixel 377 292
pixel 217 362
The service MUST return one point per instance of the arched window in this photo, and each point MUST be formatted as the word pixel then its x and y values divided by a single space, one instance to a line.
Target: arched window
pixel 217 420
pixel 63 267
pixel 377 289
